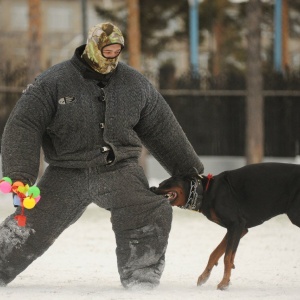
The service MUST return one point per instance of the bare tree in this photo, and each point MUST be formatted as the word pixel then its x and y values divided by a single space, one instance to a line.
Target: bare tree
pixel 134 48
pixel 35 37
pixel 285 35
pixel 34 50
pixel 254 79
pixel 134 34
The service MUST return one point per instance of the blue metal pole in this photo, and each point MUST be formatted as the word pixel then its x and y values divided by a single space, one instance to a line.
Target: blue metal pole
pixel 278 36
pixel 194 37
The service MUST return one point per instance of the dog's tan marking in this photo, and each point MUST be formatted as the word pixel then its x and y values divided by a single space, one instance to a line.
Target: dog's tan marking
pixel 214 218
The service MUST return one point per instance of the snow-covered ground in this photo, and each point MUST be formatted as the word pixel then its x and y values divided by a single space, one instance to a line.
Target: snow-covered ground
pixel 82 264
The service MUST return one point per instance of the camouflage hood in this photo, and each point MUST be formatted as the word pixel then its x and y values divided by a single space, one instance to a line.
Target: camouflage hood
pixel 102 35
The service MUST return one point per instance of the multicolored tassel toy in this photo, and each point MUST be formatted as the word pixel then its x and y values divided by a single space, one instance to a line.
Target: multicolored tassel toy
pixel 24 196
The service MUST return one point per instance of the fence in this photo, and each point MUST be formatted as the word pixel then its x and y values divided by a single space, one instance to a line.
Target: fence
pixel 214 121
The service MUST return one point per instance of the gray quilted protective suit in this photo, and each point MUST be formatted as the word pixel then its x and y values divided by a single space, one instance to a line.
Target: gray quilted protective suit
pixel 75 121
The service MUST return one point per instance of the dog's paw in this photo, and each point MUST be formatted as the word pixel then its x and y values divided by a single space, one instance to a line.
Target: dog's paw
pixel 223 285
pixel 203 278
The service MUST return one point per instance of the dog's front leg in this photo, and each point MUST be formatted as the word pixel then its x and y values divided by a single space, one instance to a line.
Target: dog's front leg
pixel 213 260
pixel 232 245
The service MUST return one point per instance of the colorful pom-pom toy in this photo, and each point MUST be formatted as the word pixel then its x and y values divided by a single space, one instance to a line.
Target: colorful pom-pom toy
pixel 25 196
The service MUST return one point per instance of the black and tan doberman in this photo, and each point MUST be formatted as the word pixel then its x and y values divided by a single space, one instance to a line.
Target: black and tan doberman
pixel 237 200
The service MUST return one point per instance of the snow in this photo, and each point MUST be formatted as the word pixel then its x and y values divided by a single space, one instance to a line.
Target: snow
pixel 82 264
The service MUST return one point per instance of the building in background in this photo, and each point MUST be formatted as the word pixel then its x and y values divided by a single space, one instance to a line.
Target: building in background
pixel 62 33
pixel 61 29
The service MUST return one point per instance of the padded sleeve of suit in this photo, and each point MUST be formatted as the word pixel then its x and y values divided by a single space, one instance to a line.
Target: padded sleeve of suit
pixel 22 136
pixel 163 136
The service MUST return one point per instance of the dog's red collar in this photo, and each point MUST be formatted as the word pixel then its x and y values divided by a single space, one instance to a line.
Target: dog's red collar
pixel 209 177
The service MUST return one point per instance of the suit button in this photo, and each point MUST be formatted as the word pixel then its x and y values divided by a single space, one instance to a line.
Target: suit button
pixel 102 125
pixel 105 149
pixel 102 97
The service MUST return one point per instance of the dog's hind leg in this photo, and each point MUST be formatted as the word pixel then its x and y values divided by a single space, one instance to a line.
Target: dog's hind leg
pixel 213 261
pixel 233 240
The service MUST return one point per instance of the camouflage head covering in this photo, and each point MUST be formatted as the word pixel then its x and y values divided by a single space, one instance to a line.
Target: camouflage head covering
pixel 102 35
